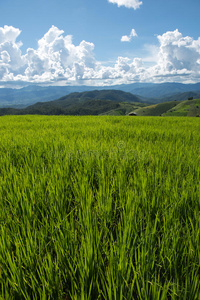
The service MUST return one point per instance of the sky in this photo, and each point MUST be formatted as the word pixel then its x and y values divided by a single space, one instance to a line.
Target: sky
pixel 99 42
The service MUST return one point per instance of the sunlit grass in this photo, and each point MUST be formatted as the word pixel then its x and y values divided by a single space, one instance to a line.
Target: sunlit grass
pixel 99 208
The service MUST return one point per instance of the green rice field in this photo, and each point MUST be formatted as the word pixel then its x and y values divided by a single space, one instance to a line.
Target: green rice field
pixel 99 208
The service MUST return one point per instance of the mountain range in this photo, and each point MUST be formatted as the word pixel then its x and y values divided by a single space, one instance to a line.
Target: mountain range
pixel 146 92
pixel 108 102
pixel 84 103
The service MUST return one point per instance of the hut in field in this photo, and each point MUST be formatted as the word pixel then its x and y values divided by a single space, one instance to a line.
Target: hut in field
pixel 132 113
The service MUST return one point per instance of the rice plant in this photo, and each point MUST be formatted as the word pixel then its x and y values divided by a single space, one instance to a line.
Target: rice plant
pixel 99 208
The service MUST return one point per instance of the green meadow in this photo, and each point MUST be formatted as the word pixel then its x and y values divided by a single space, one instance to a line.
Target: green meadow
pixel 99 208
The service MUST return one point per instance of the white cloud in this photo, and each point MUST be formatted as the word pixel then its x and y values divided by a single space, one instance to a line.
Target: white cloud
pixel 9 34
pixel 11 60
pixel 176 59
pixel 126 38
pixel 127 3
pixel 178 55
pixel 57 60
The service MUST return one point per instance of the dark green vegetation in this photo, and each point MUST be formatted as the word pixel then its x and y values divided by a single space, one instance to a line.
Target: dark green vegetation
pixel 99 208
pixel 148 92
pixel 108 102
pixel 111 102
pixel 75 106
pixel 85 103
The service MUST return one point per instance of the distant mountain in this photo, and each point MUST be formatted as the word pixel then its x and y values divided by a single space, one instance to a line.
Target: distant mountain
pixel 32 94
pixel 180 97
pixel 148 92
pixel 164 89
pixel 113 95
pixel 110 102
pixel 85 103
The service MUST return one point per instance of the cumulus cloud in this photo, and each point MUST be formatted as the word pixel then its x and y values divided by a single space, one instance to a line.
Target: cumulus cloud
pixel 9 34
pixel 58 61
pixel 11 60
pixel 56 58
pixel 126 38
pixel 178 59
pixel 178 56
pixel 135 4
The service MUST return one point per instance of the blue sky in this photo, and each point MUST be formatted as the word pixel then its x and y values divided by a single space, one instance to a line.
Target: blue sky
pixel 105 57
